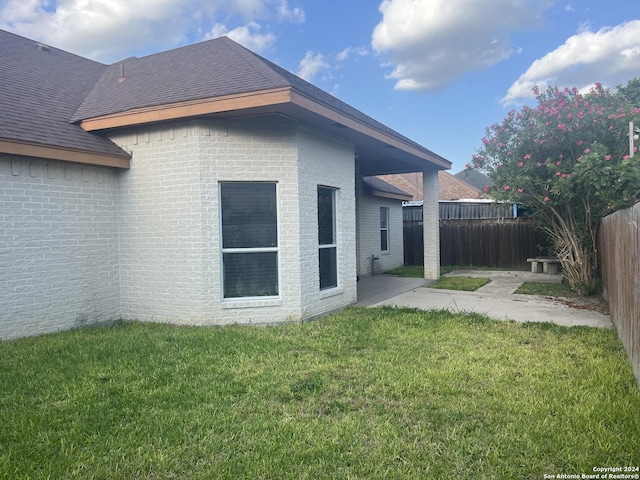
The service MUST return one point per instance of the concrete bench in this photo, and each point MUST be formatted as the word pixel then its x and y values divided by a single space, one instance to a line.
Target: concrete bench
pixel 544 264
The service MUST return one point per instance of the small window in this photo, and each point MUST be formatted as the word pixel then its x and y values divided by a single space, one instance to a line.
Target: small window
pixel 384 229
pixel 249 239
pixel 328 255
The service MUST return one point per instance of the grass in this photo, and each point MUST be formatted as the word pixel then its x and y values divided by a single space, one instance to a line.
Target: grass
pixel 467 284
pixel 417 271
pixel 563 292
pixel 444 269
pixel 366 393
pixel 546 289
pixel 413 271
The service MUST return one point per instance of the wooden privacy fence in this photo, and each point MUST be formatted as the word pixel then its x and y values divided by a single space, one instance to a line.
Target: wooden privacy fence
pixel 619 245
pixel 498 243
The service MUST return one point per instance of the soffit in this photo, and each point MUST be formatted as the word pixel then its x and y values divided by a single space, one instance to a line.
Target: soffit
pixel 378 152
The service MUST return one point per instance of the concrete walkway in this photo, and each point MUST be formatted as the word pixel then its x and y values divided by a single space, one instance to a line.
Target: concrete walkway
pixel 496 299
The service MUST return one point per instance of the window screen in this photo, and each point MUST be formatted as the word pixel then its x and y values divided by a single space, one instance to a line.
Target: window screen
pixel 249 239
pixel 328 257
pixel 384 229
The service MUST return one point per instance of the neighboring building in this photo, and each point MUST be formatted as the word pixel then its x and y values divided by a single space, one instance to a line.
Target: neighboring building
pixel 203 185
pixel 457 199
pixel 450 187
pixel 476 179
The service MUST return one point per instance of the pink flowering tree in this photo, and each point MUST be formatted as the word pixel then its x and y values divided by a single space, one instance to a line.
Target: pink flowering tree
pixel 568 160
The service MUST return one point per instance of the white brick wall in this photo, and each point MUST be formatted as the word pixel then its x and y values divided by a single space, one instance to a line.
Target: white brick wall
pixel 369 235
pixel 170 225
pixel 159 223
pixel 58 246
pixel 262 149
pixel 82 244
pixel 325 162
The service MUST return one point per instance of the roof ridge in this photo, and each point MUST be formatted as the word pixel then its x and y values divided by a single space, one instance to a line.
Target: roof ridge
pixel 263 66
pixel 51 47
pixel 250 72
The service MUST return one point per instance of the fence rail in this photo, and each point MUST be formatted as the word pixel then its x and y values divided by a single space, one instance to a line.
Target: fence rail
pixel 619 246
pixel 498 243
pixel 461 210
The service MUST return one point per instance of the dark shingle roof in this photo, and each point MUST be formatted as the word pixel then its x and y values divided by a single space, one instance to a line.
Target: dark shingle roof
pixel 207 69
pixel 329 100
pixel 377 184
pixel 475 178
pixel 450 187
pixel 40 88
pixel 204 70
pixel 47 92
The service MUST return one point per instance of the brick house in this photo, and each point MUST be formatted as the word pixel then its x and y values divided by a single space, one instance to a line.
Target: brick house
pixel 203 185
pixel 450 187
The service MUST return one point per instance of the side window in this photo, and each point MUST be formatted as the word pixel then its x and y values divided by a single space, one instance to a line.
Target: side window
pixel 327 242
pixel 249 239
pixel 384 229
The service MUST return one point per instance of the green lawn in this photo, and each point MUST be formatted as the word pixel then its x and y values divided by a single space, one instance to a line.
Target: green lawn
pixel 467 284
pixel 363 394
pixel 413 271
pixel 417 271
pixel 546 289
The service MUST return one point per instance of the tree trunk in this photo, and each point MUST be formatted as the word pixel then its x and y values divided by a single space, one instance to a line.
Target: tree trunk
pixel 579 263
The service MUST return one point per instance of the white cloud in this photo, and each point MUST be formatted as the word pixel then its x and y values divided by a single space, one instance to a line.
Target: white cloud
pixel 610 56
pixel 349 51
pixel 430 43
pixel 286 14
pixel 311 65
pixel 108 30
pixel 16 11
pixel 325 66
pixel 99 29
pixel 247 35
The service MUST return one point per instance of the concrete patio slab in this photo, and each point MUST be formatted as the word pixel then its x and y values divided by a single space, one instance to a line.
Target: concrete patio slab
pixel 377 288
pixel 496 299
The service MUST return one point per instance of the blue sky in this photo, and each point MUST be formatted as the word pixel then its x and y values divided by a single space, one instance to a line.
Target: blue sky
pixel 437 71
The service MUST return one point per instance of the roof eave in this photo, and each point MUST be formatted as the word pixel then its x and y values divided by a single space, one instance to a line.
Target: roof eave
pixel 392 196
pixel 187 109
pixel 390 142
pixel 49 152
pixel 276 100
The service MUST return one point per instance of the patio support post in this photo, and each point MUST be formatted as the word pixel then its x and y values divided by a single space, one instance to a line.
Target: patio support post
pixel 431 225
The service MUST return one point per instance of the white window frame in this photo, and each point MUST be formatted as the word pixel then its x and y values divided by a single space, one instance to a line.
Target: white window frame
pixel 334 245
pixel 266 299
pixel 385 229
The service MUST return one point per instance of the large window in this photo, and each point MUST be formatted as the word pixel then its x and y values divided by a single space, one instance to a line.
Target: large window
pixel 384 229
pixel 249 239
pixel 327 238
